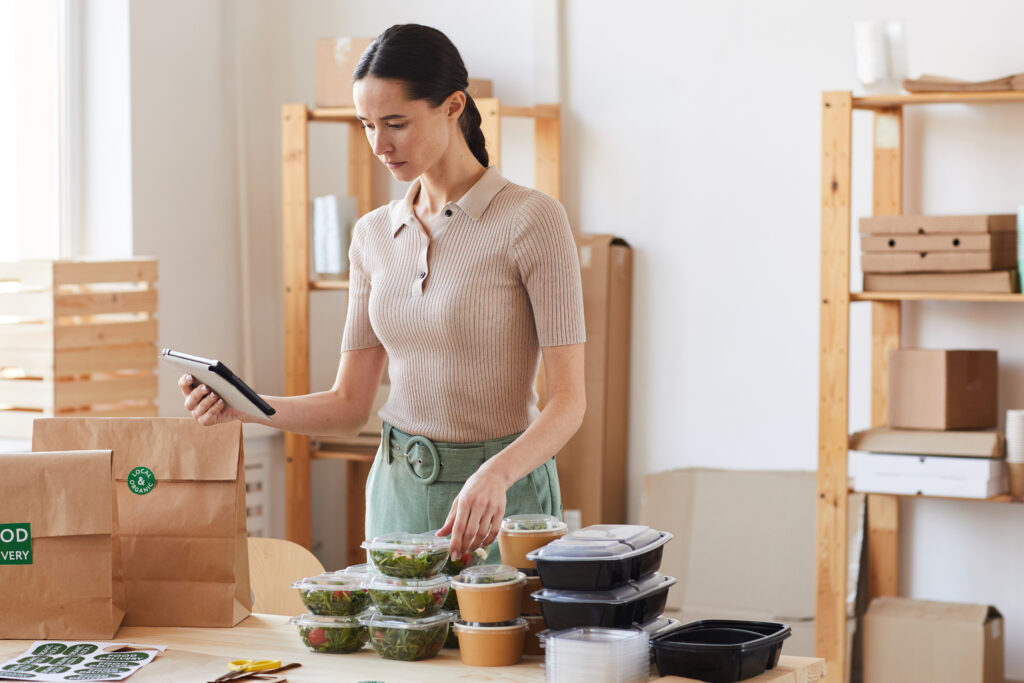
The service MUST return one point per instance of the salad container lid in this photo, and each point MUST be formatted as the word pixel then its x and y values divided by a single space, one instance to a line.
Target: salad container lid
pixel 592 634
pixel 632 591
pixel 318 621
pixel 532 523
pixel 390 583
pixel 375 619
pixel 330 582
pixel 568 548
pixel 490 574
pixel 513 625
pixel 634 535
pixel 358 569
pixel 405 542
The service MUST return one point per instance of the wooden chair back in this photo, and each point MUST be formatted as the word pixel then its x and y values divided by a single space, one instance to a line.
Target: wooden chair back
pixel 274 564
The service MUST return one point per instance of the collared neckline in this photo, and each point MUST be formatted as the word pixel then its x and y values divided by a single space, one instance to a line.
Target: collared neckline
pixel 474 203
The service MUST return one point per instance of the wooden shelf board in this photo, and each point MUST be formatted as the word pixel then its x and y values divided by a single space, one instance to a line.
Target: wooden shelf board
pixel 351 456
pixel 937 296
pixel 1002 498
pixel 328 284
pixel 348 114
pixel 890 101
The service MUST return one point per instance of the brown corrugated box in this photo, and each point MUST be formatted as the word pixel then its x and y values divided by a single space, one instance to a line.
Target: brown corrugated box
pixel 592 466
pixel 964 444
pixel 941 389
pixel 994 281
pixel 936 261
pixel 996 241
pixel 743 546
pixel 939 642
pixel 927 225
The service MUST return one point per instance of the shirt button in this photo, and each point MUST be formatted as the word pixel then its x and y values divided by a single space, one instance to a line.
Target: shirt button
pixel 422 275
pixel 448 213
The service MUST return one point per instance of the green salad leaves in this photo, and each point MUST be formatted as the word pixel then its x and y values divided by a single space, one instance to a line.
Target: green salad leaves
pixel 335 603
pixel 409 603
pixel 408 644
pixel 341 640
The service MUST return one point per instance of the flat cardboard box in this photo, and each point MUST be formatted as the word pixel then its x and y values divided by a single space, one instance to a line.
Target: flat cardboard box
pixel 939 642
pixel 964 444
pixel 936 261
pixel 928 225
pixel 743 546
pixel 993 281
pixel 995 241
pixel 939 466
pixel 592 466
pixel 940 389
pixel 944 487
pixel 336 60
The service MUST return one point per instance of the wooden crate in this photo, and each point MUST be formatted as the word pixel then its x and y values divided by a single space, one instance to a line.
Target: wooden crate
pixel 77 338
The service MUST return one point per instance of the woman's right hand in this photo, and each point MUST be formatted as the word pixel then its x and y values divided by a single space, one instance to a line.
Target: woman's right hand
pixel 204 404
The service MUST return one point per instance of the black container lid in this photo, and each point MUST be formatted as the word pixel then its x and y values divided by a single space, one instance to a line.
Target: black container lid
pixel 634 590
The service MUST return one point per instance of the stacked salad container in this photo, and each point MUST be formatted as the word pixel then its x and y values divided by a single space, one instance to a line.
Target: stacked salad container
pixel 408 591
pixel 520 535
pixel 601 588
pixel 337 604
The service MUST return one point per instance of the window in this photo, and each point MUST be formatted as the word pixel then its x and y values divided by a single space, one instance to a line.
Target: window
pixel 33 116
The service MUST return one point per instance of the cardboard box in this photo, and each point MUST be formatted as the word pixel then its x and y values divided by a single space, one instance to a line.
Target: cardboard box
pixel 939 642
pixel 936 261
pixel 480 87
pixel 964 444
pixel 938 389
pixel 995 241
pixel 993 281
pixel 744 546
pixel 336 60
pixel 928 475
pixel 592 466
pixel 929 225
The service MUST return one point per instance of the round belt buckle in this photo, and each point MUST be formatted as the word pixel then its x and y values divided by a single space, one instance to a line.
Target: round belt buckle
pixel 435 469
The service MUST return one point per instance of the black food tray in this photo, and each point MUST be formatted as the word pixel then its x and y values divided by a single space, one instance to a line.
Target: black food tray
pixel 561 615
pixel 598 574
pixel 719 650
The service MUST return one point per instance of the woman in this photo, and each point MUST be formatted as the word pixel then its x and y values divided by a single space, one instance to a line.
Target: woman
pixel 462 285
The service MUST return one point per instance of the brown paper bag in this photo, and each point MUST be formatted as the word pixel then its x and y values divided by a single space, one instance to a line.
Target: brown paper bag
pixel 60 562
pixel 181 500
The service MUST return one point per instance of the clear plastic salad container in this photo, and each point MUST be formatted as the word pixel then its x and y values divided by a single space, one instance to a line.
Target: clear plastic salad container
pixel 334 594
pixel 334 635
pixel 409 597
pixel 407 556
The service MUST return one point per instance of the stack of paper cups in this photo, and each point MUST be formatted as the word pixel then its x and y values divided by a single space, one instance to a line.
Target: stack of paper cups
pixel 1015 451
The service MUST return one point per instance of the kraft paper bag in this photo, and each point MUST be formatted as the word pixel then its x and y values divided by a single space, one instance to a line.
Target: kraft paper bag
pixel 181 500
pixel 60 561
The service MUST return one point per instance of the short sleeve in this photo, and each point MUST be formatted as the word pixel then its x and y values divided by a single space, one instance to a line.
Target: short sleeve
pixel 545 253
pixel 359 332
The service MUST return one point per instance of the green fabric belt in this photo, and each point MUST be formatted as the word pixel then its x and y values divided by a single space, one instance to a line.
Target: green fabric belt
pixel 428 461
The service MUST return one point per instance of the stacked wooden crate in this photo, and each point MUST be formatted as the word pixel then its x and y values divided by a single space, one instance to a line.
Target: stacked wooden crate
pixel 76 338
pixel 940 253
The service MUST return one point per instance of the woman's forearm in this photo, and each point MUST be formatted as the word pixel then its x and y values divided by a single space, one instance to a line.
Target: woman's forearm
pixel 559 420
pixel 321 414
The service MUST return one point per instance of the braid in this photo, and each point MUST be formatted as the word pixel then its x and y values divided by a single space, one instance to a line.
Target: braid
pixel 470 124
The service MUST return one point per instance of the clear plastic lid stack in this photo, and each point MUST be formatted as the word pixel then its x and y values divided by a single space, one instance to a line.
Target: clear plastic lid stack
pixel 596 655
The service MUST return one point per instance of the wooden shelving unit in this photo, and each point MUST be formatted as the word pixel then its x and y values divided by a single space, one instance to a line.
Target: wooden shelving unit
pixel 886 309
pixel 358 453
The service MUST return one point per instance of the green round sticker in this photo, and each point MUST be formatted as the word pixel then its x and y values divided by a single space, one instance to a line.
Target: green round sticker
pixel 141 480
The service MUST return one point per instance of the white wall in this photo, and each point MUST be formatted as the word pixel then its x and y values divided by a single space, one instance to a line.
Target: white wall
pixel 690 129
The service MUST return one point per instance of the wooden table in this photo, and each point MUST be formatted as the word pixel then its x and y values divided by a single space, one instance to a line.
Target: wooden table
pixel 195 655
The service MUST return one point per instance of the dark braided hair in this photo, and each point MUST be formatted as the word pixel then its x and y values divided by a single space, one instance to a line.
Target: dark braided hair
pixel 432 69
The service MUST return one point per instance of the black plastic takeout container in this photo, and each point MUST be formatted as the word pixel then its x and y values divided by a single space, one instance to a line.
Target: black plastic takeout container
pixel 637 602
pixel 719 650
pixel 600 557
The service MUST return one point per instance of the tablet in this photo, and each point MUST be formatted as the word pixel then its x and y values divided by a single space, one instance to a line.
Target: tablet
pixel 224 383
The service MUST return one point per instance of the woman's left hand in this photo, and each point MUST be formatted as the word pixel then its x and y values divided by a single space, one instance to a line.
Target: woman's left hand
pixel 476 513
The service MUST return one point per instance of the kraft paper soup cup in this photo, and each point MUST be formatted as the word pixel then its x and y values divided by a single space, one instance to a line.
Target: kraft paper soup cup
pixel 490 593
pixel 491 644
pixel 521 534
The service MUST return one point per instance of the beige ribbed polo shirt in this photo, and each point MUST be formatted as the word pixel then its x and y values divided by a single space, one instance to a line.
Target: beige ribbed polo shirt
pixel 463 314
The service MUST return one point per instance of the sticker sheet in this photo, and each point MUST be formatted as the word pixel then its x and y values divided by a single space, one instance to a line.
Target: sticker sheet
pixel 48 660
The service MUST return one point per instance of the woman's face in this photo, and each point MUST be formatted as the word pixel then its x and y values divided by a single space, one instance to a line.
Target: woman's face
pixel 408 136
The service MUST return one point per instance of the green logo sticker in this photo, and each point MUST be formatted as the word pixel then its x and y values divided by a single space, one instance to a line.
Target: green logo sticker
pixel 141 481
pixel 123 657
pixel 50 649
pixel 16 543
pixel 80 649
